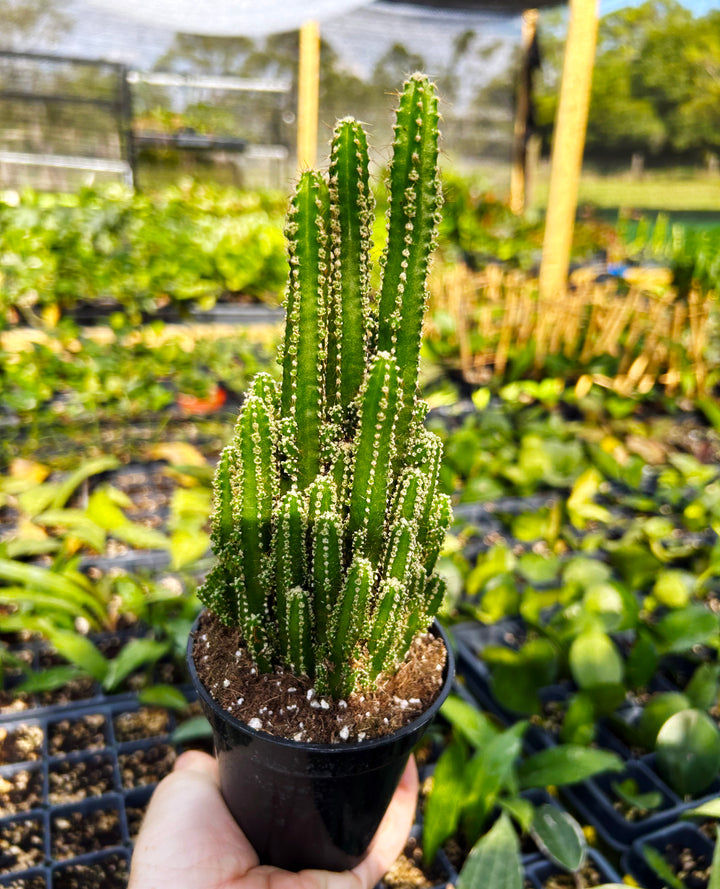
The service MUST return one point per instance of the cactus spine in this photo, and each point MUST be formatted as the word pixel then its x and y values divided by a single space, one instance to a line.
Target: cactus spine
pixel 327 520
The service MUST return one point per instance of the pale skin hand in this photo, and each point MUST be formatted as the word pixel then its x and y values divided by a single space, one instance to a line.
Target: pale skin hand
pixel 189 839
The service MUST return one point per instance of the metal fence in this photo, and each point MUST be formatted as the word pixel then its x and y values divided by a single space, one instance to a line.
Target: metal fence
pixel 66 121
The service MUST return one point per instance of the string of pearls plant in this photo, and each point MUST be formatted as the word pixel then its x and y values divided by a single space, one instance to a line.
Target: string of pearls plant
pixel 327 521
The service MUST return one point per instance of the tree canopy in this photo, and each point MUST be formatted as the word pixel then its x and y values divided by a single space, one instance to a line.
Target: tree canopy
pixel 656 83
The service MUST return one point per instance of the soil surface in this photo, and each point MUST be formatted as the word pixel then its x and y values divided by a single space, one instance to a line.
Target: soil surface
pixel 136 725
pixel 146 766
pixel 409 872
pixel 36 882
pixel 76 833
pixel 109 873
pixel 692 867
pixel 86 733
pixel 288 706
pixel 21 792
pixel 589 876
pixel 71 782
pixel 23 744
pixel 22 845
pixel 134 816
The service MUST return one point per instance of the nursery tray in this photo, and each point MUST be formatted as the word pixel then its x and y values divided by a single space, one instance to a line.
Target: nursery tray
pixel 76 782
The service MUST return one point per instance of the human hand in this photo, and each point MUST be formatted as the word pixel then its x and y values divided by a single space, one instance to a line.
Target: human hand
pixel 189 839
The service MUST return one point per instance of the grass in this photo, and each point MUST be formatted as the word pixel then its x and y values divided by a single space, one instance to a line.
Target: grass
pixel 674 190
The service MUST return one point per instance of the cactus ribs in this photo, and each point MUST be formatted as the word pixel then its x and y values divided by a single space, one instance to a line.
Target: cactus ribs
pixel 328 520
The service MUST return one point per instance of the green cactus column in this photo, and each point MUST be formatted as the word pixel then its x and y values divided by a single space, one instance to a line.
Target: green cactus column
pixel 328 520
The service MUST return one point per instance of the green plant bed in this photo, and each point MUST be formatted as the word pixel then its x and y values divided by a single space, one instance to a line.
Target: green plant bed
pixel 183 245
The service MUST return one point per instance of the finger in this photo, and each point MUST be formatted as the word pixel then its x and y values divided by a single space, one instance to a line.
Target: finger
pixel 189 839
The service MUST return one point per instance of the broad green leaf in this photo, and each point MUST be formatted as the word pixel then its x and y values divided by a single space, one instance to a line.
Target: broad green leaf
pixel 43 580
pixel 494 861
pixel 177 453
pixel 692 625
pixel 78 523
pixel 594 660
pixel 702 690
pixel 662 869
pixel 43 602
pixel 104 511
pixel 579 725
pixel 559 836
pixel 141 537
pixel 710 809
pixel 187 547
pixel 468 721
pixel 50 679
pixel 581 504
pixel 193 729
pixel 584 572
pixel 566 764
pixel 22 547
pixel 81 651
pixel 673 588
pixel 135 654
pixel 656 713
pixel 442 809
pixel 714 881
pixel 629 793
pixel 39 498
pixel 491 770
pixel 68 485
pixel 688 751
pixel 519 808
pixel 642 662
pixel 163 696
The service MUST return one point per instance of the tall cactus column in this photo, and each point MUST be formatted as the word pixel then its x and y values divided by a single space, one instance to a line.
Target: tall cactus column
pixel 328 521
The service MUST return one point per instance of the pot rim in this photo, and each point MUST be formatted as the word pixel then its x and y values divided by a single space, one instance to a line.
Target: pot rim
pixel 327 748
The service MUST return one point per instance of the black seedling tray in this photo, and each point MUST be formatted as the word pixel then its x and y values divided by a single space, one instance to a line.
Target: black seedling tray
pixel 76 790
pixel 685 835
pixel 537 873
pixel 594 800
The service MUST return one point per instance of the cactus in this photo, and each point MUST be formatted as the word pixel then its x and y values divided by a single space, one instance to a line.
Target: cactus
pixel 327 520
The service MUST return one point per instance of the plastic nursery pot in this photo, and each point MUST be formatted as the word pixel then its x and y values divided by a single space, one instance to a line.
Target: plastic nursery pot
pixel 304 805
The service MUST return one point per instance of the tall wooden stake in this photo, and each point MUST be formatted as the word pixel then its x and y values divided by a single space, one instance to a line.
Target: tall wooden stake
pixel 568 145
pixel 518 174
pixel 308 96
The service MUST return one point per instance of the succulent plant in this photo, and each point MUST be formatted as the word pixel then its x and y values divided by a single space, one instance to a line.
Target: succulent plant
pixel 327 521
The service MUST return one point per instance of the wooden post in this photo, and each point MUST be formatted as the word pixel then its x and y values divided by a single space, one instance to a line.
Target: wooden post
pixel 568 145
pixel 308 96
pixel 518 173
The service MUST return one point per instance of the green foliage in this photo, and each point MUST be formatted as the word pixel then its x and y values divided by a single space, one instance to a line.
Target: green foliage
pixel 688 751
pixel 328 521
pixel 185 245
pixel 559 836
pixel 494 860
pixel 654 83
pixel 483 767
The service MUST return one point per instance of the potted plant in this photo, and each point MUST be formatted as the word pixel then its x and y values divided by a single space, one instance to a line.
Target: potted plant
pixel 313 661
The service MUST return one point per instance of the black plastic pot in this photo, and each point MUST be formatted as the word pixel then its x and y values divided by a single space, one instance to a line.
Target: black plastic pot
pixel 304 805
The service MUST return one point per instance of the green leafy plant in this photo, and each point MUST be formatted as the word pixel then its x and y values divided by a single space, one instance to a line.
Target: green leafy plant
pixel 483 769
pixel 327 520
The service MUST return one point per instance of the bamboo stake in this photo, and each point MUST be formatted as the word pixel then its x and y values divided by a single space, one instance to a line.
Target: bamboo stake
pixel 568 145
pixel 308 96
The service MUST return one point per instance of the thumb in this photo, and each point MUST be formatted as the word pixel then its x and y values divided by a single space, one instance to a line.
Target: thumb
pixel 189 839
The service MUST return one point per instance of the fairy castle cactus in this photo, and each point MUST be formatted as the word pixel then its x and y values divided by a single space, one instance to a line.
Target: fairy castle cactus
pixel 327 520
